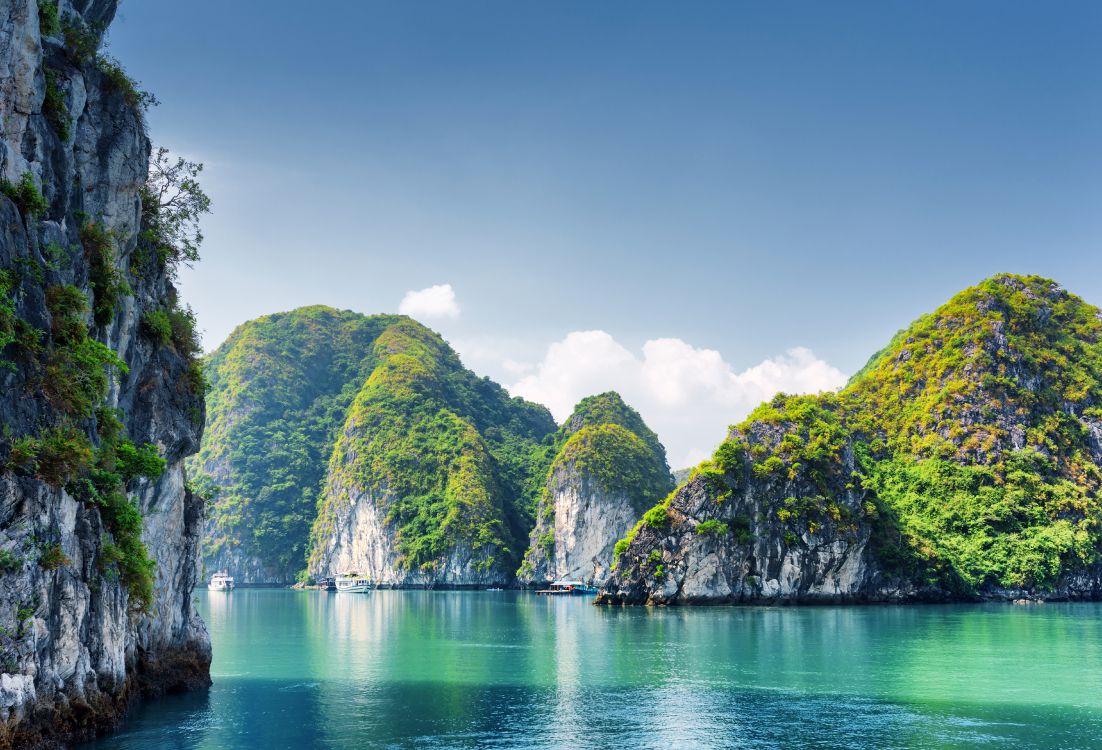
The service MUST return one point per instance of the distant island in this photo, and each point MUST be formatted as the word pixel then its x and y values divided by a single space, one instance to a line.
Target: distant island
pixel 961 462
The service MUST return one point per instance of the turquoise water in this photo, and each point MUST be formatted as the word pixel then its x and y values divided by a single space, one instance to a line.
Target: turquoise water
pixel 424 669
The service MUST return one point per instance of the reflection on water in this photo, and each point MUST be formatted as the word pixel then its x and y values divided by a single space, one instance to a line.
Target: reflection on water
pixel 510 670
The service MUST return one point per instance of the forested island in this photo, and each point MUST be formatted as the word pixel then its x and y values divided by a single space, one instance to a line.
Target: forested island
pixel 962 463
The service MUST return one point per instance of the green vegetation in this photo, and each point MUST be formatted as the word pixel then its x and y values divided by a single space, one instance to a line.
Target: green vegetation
pixel 52 557
pixel 117 80
pixel 53 106
pixel 26 196
pixel 81 41
pixel 712 527
pixel 74 378
pixel 172 204
pixel 387 404
pixel 108 283
pixel 619 460
pixel 8 317
pixel 607 440
pixel 445 452
pixel 280 388
pixel 49 22
pixel 9 561
pixel 967 437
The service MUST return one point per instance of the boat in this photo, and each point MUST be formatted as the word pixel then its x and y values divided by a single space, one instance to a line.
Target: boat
pixel 353 583
pixel 221 581
pixel 568 588
pixel 328 584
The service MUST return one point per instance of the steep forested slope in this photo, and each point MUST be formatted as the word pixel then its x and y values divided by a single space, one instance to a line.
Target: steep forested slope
pixel 279 389
pixel 432 480
pixel 962 461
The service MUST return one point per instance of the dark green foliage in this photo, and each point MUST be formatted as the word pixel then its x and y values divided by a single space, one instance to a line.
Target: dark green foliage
pixel 52 557
pixel 26 195
pixel 133 461
pixel 55 456
pixel 712 527
pixel 741 528
pixel 53 106
pixel 81 41
pixel 49 22
pixel 117 80
pixel 172 204
pixel 157 325
pixel 108 283
pixel 8 317
pixel 445 450
pixel 74 377
pixel 9 561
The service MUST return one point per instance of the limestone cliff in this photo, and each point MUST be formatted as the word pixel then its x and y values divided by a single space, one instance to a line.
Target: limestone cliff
pixel 280 387
pixel 609 467
pixel 98 529
pixel 962 462
pixel 432 477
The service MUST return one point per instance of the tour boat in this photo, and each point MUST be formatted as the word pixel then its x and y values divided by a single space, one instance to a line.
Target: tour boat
pixel 576 588
pixel 353 583
pixel 221 582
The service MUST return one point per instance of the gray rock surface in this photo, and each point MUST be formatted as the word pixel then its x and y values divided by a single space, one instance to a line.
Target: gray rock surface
pixel 363 542
pixel 575 540
pixel 73 653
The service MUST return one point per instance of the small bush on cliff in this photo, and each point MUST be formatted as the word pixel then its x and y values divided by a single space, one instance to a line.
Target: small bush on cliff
pixel 26 195
pixel 53 106
pixel 117 80
pixel 656 517
pixel 9 561
pixel 75 376
pixel 56 456
pixel 81 41
pixel 49 22
pixel 712 528
pixel 52 557
pixel 108 284
pixel 8 315
pixel 157 325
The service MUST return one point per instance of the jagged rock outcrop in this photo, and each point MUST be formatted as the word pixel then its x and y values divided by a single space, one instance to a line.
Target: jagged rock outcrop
pixel 961 463
pixel 98 415
pixel 433 477
pixel 608 468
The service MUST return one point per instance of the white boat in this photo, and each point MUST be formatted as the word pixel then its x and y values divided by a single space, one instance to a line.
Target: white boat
pixel 353 583
pixel 221 581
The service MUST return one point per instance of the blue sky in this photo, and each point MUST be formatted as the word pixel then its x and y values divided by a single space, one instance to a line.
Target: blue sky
pixel 764 192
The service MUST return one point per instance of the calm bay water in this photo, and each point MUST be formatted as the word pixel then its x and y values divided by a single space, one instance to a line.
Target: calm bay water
pixel 511 670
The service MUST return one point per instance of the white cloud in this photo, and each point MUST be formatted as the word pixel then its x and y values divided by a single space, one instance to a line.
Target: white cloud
pixel 433 302
pixel 689 396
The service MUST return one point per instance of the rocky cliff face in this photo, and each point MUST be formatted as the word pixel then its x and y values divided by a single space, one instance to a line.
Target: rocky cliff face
pixel 733 535
pixel 90 399
pixel 280 387
pixel 432 477
pixel 961 463
pixel 609 467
